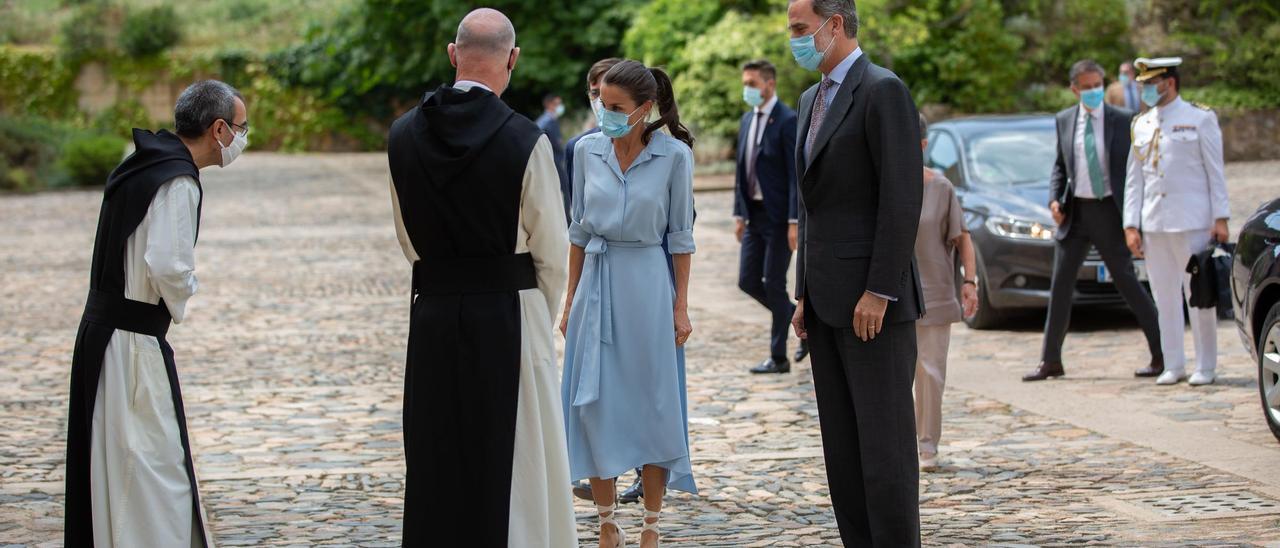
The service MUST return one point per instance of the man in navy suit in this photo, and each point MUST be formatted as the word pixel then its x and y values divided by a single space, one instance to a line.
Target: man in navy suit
pixel 764 205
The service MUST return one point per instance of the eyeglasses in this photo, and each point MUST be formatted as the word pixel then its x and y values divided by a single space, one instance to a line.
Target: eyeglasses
pixel 243 129
pixel 239 129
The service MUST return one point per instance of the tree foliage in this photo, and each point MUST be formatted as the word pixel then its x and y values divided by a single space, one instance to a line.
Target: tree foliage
pixel 661 28
pixel 1231 43
pixel 386 53
pixel 150 31
pixel 710 89
pixel 956 52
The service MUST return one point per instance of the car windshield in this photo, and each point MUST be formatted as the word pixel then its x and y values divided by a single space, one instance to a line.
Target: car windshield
pixel 1006 157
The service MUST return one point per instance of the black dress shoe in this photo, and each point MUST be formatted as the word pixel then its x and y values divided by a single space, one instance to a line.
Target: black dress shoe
pixel 772 366
pixel 1153 370
pixel 1044 371
pixel 582 490
pixel 633 493
pixel 802 352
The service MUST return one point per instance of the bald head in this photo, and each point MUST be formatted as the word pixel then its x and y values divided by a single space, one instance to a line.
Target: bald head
pixel 485 50
pixel 485 32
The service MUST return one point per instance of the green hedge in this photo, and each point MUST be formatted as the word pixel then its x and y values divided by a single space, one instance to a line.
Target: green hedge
pixel 34 83
pixel 88 158
pixel 1221 97
pixel 150 31
pixel 29 149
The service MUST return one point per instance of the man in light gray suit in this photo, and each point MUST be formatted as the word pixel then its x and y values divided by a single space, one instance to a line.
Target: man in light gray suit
pixel 1086 200
pixel 859 161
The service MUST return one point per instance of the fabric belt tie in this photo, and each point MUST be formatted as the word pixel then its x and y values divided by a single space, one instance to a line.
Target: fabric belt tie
pixel 472 275
pixel 118 312
pixel 597 321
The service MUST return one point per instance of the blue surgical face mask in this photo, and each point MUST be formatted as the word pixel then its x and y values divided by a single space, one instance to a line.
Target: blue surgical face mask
pixel 614 124
pixel 1150 95
pixel 1124 79
pixel 596 108
pixel 1092 98
pixel 559 110
pixel 806 53
pixel 752 96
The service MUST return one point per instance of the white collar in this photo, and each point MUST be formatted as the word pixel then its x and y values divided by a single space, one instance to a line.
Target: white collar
pixel 767 107
pixel 466 85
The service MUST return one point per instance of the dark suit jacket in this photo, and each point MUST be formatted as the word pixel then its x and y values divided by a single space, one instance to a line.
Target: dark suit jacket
pixel 551 127
pixel 860 198
pixel 775 165
pixel 567 189
pixel 1115 122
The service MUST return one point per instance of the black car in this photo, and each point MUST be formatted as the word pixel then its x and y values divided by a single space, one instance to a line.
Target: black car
pixel 1000 166
pixel 1255 297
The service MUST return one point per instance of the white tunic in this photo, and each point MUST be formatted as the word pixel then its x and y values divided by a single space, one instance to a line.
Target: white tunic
pixel 1175 180
pixel 140 491
pixel 541 503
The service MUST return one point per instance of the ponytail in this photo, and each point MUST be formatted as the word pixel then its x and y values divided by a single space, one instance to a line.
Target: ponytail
pixel 668 111
pixel 650 84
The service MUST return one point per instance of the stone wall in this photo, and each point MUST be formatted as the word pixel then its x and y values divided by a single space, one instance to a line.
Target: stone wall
pixel 1250 135
pixel 98 91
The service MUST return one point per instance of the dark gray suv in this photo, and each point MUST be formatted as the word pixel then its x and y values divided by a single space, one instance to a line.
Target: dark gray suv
pixel 1000 166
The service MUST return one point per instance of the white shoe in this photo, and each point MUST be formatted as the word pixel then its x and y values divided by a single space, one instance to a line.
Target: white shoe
pixel 928 464
pixel 1171 377
pixel 607 516
pixel 650 525
pixel 1200 378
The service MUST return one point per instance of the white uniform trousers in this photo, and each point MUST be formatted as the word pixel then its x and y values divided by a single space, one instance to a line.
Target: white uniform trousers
pixel 931 375
pixel 1167 254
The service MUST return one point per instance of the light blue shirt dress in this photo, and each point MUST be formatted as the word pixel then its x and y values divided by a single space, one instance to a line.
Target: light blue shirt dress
pixel 623 390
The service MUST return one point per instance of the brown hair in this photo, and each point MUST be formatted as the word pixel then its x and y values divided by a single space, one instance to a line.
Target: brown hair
pixel 598 69
pixel 764 67
pixel 650 84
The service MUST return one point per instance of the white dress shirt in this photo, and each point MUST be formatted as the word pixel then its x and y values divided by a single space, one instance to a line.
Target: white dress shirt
pixel 755 135
pixel 1083 182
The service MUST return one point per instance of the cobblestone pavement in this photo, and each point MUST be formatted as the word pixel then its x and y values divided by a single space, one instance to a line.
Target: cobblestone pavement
pixel 292 359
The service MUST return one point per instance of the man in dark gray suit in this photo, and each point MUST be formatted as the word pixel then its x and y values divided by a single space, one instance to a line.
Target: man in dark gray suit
pixel 860 187
pixel 1087 196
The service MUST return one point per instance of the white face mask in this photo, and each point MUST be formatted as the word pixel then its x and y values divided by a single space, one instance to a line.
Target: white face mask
pixel 231 152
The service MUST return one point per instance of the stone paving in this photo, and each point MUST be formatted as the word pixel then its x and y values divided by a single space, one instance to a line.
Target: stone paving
pixel 292 357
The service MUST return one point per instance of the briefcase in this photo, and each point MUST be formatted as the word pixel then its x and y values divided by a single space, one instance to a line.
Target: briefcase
pixel 1210 271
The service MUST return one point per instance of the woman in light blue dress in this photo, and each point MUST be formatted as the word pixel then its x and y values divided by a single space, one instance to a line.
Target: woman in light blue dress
pixel 625 320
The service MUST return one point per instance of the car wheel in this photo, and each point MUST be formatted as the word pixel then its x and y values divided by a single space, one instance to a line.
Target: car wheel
pixel 1269 369
pixel 988 317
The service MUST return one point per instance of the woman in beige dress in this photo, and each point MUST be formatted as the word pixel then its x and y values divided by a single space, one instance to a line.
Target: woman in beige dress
pixel 941 235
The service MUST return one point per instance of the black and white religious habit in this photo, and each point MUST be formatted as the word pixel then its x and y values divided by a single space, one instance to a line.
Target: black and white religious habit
pixel 130 480
pixel 479 214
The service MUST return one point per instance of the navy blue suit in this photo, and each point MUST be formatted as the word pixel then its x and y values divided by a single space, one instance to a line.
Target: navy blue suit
pixel 766 253
pixel 549 125
pixel 568 165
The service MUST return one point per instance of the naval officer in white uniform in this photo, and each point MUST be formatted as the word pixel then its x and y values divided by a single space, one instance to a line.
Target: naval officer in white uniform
pixel 1175 205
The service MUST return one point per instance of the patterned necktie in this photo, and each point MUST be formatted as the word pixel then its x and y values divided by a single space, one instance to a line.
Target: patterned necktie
pixel 815 120
pixel 1091 154
pixel 752 182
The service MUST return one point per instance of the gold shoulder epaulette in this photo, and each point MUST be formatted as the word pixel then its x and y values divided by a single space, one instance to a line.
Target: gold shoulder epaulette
pixel 1201 106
